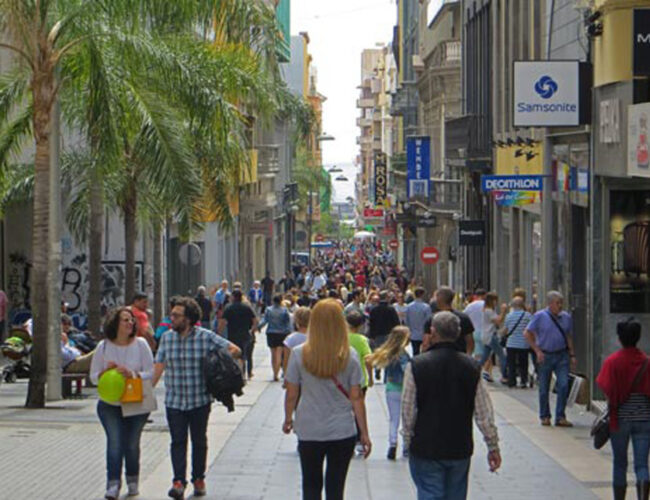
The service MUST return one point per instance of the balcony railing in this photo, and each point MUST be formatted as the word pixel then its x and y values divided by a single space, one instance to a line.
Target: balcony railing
pixel 365 103
pixel 447 54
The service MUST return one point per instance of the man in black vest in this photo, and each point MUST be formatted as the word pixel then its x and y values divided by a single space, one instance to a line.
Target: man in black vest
pixel 442 392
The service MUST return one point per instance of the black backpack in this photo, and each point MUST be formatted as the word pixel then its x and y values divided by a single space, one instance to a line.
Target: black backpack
pixel 223 377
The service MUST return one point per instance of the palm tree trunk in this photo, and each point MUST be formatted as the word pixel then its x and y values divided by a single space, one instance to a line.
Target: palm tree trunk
pixel 95 235
pixel 158 299
pixel 130 236
pixel 43 90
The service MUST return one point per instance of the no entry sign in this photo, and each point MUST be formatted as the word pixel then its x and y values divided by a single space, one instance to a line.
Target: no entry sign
pixel 429 255
pixel 393 244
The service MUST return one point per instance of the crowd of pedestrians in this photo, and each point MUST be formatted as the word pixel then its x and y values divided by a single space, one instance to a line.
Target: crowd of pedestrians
pixel 336 328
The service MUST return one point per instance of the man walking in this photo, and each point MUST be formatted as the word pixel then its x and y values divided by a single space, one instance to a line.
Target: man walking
pixel 268 287
pixel 187 401
pixel 549 335
pixel 139 310
pixel 241 322
pixel 444 300
pixel 383 318
pixel 442 392
pixel 417 314
pixel 206 306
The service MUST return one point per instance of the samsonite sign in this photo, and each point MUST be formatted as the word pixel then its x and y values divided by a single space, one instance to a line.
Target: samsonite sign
pixel 548 93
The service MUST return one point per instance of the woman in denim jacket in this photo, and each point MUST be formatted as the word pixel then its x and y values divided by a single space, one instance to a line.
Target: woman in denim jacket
pixel 392 356
pixel 279 326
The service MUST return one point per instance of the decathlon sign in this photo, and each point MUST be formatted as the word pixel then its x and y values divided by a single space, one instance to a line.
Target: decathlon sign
pixel 512 183
pixel 548 93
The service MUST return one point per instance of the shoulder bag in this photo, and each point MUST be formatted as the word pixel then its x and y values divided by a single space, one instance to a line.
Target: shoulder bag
pixel 340 387
pixel 559 327
pixel 600 427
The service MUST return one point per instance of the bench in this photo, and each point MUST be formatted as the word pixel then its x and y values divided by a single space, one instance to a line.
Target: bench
pixel 66 385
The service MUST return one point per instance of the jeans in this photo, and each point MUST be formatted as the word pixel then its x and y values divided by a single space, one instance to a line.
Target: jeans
pixel 440 479
pixel 495 347
pixel 557 362
pixel 197 421
pixel 394 402
pixel 640 434
pixel 312 455
pixel 517 362
pixel 122 440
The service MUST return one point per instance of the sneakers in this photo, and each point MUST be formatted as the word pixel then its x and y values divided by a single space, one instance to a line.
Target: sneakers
pixel 132 485
pixel 487 377
pixel 177 490
pixel 199 488
pixel 392 453
pixel 112 490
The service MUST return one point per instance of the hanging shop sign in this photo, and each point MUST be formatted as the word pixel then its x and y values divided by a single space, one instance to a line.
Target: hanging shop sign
pixel 381 176
pixel 418 160
pixel 511 183
pixel 369 213
pixel 641 42
pixel 471 233
pixel 515 198
pixel 638 156
pixel 551 93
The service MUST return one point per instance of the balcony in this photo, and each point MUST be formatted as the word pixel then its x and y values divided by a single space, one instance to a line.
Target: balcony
pixel 365 103
pixel 248 173
pixel 446 54
pixel 364 122
pixel 471 134
pixel 268 163
pixel 376 115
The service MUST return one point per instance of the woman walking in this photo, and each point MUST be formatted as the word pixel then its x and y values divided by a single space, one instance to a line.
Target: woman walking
pixel 278 319
pixel 392 357
pixel 625 380
pixel 326 374
pixel 490 337
pixel 132 357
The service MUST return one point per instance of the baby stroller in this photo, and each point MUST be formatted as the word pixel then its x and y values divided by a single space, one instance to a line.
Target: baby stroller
pixel 17 348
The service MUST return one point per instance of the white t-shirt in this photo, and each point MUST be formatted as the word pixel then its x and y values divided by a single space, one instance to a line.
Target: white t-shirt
pixel 489 328
pixel 475 313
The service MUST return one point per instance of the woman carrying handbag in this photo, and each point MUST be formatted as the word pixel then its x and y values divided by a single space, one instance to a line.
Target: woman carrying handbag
pixel 123 421
pixel 625 380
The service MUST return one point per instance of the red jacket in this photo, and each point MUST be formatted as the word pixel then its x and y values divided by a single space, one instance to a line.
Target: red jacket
pixel 617 375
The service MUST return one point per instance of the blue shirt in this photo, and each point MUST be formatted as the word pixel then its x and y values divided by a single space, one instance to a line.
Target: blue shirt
pixel 548 336
pixel 183 358
pixel 220 296
pixel 417 314
pixel 520 319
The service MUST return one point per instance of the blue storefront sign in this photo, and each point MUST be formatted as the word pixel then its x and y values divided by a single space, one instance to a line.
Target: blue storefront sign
pixel 418 160
pixel 512 183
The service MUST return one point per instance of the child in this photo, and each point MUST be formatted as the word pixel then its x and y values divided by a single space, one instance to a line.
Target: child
pixel 392 357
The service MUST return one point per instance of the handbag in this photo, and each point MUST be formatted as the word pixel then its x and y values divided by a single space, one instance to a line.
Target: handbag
pixel 600 427
pixel 147 405
pixel 132 391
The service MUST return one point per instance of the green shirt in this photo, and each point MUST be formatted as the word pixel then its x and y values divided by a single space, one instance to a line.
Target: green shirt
pixel 360 344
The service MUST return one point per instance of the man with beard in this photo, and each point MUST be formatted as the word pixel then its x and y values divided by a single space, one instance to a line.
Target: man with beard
pixel 187 401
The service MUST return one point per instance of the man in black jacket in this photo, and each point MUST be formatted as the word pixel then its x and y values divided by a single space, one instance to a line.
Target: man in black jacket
pixel 383 318
pixel 442 391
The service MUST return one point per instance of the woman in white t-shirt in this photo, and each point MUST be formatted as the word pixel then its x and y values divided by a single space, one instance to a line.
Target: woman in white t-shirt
pixel 492 322
pixel 132 357
pixel 400 306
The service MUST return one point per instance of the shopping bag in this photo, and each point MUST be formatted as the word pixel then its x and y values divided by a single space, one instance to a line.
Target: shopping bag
pixel 147 405
pixel 132 391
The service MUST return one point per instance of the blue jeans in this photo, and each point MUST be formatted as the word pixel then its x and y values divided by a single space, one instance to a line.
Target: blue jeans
pixel 197 421
pixel 122 440
pixel 394 403
pixel 495 347
pixel 440 479
pixel 557 362
pixel 640 434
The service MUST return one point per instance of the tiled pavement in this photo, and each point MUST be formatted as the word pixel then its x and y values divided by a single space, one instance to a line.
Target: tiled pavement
pixel 58 453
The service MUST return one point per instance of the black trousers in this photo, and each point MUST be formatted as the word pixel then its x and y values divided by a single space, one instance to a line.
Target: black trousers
pixel 517 360
pixel 416 344
pixel 312 455
pixel 197 421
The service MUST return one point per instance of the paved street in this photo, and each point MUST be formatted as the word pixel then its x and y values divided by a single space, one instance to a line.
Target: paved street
pixel 251 459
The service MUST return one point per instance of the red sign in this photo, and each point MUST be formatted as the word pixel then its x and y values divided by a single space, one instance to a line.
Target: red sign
pixel 429 255
pixel 319 238
pixel 373 212
pixel 393 244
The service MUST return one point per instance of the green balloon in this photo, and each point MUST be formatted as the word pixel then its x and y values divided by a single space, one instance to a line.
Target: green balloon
pixel 111 386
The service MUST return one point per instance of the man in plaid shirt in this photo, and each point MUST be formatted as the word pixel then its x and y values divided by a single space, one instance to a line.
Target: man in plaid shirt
pixel 187 401
pixel 442 392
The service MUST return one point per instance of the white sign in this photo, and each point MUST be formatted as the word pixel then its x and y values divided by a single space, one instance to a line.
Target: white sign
pixel 610 121
pixel 638 161
pixel 546 93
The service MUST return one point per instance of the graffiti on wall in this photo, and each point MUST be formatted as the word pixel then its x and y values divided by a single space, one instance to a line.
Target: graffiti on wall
pixel 18 289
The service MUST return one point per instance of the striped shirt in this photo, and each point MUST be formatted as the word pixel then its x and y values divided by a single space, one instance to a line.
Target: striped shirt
pixel 635 409
pixel 183 358
pixel 517 339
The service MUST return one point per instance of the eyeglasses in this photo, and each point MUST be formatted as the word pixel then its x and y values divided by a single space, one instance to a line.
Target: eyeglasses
pixel 176 315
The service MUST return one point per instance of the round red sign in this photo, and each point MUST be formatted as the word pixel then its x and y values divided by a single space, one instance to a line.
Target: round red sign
pixel 429 255
pixel 393 244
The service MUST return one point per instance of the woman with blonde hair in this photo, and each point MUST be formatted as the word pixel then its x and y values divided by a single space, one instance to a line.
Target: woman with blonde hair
pixel 327 375
pixel 392 357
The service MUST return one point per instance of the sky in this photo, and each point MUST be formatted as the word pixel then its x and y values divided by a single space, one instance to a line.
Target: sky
pixel 339 30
